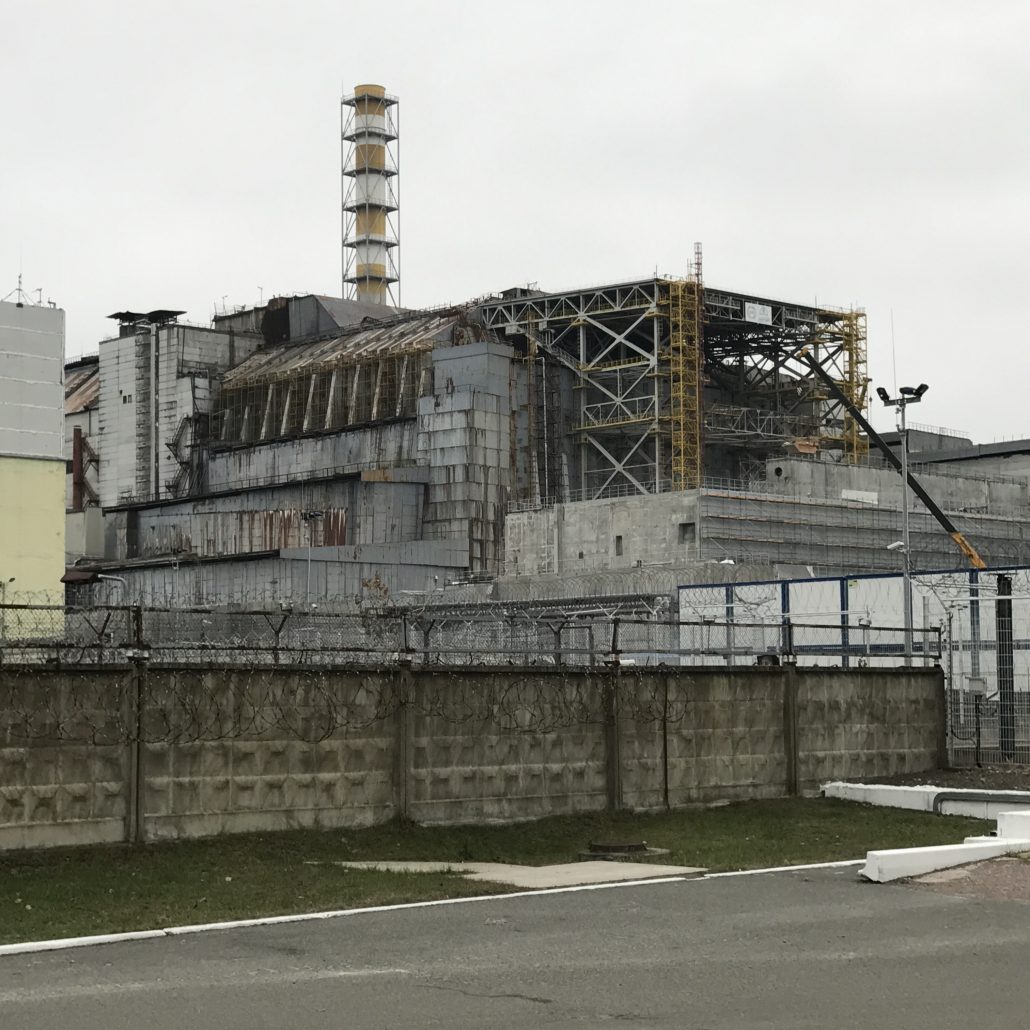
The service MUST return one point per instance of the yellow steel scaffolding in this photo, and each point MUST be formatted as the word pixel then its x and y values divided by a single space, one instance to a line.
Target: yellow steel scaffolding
pixel 839 344
pixel 682 302
pixel 856 382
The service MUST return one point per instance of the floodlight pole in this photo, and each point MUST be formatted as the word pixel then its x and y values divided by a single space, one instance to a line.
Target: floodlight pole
pixel 906 395
pixel 905 536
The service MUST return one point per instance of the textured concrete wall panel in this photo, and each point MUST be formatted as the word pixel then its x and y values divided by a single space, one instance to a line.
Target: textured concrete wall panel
pixel 868 723
pixel 267 749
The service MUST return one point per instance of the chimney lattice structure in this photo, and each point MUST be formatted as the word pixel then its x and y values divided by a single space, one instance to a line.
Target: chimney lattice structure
pixel 370 119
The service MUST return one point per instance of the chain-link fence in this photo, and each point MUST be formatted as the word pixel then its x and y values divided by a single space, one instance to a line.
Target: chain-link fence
pixel 987 663
pixel 106 635
pixel 982 617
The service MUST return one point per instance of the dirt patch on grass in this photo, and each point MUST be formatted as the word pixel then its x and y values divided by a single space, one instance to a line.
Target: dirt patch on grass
pixel 1001 879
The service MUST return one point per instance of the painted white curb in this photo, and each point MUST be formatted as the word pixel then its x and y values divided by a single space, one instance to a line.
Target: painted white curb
pixel 239 924
pixel 28 947
pixel 920 799
pixel 784 869
pixel 899 863
pixel 1014 824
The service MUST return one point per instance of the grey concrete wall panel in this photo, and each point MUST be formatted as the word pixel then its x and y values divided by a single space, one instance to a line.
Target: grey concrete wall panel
pixel 31 381
pixel 278 748
pixel 587 536
pixel 724 729
pixel 355 512
pixel 867 727
pixel 156 387
pixel 273 581
pixel 950 488
pixel 384 446
pixel 761 526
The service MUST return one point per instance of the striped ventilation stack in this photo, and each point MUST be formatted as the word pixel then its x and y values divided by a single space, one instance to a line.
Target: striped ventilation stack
pixel 371 260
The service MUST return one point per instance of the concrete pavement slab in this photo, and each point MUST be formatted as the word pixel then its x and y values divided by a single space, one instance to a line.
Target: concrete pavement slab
pixel 528 877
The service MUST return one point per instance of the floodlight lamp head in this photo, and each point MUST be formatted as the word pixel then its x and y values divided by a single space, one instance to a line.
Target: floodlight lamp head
pixel 907 391
pixel 883 395
pixel 898 545
pixel 921 389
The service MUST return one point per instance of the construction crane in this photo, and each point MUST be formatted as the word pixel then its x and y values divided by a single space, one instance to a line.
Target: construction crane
pixel 931 505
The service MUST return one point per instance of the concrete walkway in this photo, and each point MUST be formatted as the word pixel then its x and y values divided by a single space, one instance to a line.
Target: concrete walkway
pixel 571 874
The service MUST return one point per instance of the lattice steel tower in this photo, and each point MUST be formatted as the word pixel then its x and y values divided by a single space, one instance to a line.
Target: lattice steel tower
pixel 370 120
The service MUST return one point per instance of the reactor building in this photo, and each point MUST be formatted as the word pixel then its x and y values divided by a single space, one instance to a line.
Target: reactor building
pixel 530 443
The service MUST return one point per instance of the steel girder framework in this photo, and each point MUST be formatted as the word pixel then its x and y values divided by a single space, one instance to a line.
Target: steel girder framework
pixel 753 364
pixel 615 340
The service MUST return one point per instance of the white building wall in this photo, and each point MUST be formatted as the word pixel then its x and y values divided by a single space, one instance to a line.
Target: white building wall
pixel 31 381
pixel 31 459
pixel 117 419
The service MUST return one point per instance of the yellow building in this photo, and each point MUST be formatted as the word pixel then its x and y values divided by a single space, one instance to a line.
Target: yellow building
pixel 32 465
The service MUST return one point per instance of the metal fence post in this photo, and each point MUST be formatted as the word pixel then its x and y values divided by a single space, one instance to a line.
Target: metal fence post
pixel 790 730
pixel 949 690
pixel 977 723
pixel 787 642
pixel 665 743
pixel 613 737
pixel 404 686
pixel 1006 682
pixel 135 807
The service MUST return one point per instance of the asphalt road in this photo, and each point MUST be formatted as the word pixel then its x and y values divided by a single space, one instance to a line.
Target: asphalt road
pixel 800 950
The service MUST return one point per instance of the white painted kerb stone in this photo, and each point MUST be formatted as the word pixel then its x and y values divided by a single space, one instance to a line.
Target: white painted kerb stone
pixel 899 863
pixel 1014 824
pixel 920 799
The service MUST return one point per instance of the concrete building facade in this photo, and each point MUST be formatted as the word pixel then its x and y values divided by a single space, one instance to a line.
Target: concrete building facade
pixel 84 528
pixel 31 453
pixel 317 449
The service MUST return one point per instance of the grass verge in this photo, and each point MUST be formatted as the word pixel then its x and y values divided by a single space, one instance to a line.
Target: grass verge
pixel 90 890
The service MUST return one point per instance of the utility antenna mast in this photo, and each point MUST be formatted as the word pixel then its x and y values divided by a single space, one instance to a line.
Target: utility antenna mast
pixel 19 295
pixel 370 121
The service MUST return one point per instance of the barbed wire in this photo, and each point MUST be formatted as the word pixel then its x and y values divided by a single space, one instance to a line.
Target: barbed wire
pixel 175 707
pixel 71 637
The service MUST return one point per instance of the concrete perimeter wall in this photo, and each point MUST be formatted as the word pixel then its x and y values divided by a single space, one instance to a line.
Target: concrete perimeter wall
pixel 115 754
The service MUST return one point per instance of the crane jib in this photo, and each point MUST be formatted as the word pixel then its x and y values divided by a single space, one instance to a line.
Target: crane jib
pixel 917 488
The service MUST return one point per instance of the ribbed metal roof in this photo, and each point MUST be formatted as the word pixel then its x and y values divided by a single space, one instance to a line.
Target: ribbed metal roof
pixel 81 386
pixel 410 335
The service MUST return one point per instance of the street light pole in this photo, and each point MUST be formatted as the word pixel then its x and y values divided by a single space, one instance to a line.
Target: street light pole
pixel 905 534
pixel 906 395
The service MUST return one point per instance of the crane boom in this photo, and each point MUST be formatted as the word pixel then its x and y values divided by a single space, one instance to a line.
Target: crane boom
pixel 917 488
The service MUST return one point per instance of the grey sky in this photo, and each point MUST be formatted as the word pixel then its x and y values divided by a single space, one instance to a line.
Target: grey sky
pixel 169 154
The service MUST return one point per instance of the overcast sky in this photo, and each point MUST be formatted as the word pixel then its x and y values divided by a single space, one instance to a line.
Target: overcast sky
pixel 170 154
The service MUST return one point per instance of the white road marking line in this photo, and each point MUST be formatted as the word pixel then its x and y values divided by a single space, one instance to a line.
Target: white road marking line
pixel 787 868
pixel 29 947
pixel 239 924
pixel 248 978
